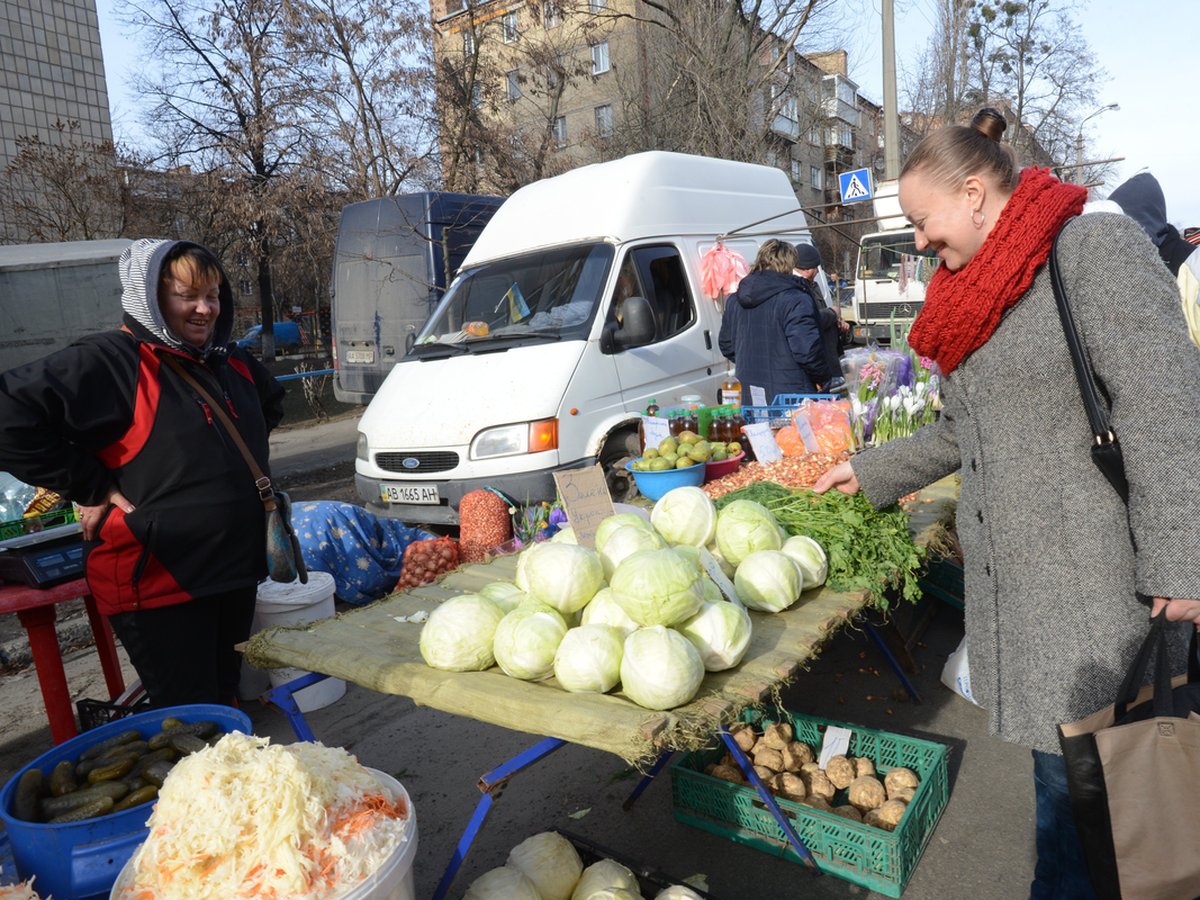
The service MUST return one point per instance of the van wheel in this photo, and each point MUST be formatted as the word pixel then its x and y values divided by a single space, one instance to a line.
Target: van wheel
pixel 620 448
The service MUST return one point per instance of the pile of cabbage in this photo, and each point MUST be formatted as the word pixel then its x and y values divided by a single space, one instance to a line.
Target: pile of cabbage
pixel 640 610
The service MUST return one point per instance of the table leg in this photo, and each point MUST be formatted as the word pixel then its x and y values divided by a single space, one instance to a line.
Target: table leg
pixel 106 649
pixel 491 784
pixel 647 778
pixel 47 660
pixel 284 697
pixel 891 661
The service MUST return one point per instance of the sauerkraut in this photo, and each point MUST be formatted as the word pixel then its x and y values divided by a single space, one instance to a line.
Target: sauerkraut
pixel 245 818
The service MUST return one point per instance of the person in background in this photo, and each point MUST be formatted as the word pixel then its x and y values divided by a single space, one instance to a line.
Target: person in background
pixel 808 261
pixel 770 328
pixel 1055 590
pixel 174 530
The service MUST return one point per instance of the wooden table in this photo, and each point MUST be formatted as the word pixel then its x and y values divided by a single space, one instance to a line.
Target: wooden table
pixel 35 609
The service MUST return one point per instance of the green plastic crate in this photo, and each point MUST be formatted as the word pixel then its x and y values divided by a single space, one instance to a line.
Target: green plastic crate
pixel 52 519
pixel 943 580
pixel 880 860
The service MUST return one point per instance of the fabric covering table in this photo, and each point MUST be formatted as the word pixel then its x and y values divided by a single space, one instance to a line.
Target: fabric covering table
pixel 373 648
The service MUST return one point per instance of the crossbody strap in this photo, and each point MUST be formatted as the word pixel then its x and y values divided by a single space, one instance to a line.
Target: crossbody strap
pixel 1097 413
pixel 261 480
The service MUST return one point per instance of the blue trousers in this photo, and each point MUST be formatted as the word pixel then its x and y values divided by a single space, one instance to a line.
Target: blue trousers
pixel 1061 870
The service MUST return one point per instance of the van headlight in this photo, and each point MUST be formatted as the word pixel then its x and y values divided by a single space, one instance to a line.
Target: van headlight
pixel 362 451
pixel 512 440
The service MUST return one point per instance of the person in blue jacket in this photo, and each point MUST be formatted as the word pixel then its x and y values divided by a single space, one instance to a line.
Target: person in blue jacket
pixel 770 329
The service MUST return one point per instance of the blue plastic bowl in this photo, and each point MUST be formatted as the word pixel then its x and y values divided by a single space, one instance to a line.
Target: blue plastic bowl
pixel 82 859
pixel 654 484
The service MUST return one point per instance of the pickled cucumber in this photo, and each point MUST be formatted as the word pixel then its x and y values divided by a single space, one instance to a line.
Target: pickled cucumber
pixel 113 771
pixel 136 798
pixel 62 779
pixel 29 791
pixel 97 807
pixel 98 750
pixel 57 806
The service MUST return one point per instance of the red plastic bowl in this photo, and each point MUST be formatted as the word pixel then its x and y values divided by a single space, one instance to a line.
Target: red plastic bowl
pixel 715 470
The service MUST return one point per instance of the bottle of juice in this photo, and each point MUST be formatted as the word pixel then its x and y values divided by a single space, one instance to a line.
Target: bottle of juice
pixel 676 423
pixel 731 390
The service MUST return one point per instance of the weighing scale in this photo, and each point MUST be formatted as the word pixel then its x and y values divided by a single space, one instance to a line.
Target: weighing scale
pixel 45 558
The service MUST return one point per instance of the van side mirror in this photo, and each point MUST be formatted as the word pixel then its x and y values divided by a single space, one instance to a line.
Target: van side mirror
pixel 636 328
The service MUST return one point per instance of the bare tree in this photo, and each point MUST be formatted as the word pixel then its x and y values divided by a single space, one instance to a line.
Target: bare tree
pixel 939 87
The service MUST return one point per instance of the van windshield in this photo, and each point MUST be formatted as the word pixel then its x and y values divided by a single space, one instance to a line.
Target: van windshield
pixel 551 294
pixel 881 255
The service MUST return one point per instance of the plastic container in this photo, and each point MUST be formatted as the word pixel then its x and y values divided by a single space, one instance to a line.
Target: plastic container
pixel 394 880
pixel 715 470
pixel 293 603
pixel 654 484
pixel 82 859
pixel 880 860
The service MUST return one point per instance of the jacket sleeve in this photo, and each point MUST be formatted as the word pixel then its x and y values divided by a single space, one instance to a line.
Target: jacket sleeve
pixel 803 336
pixel 1143 357
pixel 270 391
pixel 725 337
pixel 897 468
pixel 59 412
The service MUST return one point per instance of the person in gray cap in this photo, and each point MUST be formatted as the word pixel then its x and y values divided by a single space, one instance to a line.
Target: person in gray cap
pixel 808 261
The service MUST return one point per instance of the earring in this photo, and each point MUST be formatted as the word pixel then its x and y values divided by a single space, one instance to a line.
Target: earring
pixel 977 212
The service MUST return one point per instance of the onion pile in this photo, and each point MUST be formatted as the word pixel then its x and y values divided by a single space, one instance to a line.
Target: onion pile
pixel 424 561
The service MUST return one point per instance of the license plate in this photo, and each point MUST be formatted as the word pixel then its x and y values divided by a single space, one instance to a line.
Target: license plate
pixel 360 356
pixel 409 493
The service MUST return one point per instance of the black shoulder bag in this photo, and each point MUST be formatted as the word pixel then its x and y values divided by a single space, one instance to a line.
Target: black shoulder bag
pixel 1106 450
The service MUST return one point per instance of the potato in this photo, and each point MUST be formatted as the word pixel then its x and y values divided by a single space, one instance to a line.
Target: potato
pixel 862 766
pixel 743 735
pixel 764 774
pixel 871 817
pixel 818 785
pixel 778 736
pixel 900 777
pixel 728 760
pixel 891 813
pixel 848 812
pixel 866 793
pixel 808 768
pixel 905 794
pixel 725 773
pixel 817 803
pixel 796 755
pixel 791 786
pixel 840 771
pixel 771 759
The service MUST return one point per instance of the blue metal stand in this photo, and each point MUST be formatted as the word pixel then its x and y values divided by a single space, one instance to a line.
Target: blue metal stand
pixel 284 697
pixel 491 785
pixel 891 661
pixel 768 799
pixel 646 779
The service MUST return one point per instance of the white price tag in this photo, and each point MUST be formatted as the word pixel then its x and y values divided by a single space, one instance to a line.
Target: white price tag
pixel 758 396
pixel 762 439
pixel 806 433
pixel 837 742
pixel 713 568
pixel 655 429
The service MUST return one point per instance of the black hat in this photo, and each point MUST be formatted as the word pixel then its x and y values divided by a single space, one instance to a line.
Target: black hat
pixel 807 257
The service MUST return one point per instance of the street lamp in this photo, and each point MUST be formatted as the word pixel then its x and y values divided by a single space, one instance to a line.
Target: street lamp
pixel 1079 139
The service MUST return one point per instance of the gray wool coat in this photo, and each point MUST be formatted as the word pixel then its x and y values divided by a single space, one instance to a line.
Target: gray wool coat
pixel 1052 619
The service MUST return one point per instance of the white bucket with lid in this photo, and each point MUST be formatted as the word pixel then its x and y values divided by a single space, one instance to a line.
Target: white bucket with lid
pixel 292 603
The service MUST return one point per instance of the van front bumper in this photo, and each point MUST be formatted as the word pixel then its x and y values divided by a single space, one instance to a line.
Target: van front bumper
pixel 522 488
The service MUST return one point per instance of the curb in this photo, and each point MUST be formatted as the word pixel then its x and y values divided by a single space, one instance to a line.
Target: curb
pixel 74 632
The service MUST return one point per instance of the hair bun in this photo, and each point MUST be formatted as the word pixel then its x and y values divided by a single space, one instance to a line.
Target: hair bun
pixel 990 123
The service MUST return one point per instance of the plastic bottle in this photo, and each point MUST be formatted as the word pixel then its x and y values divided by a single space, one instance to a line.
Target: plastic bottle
pixel 731 390
pixel 676 423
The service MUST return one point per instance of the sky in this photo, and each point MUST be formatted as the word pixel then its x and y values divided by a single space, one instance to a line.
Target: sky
pixel 1146 56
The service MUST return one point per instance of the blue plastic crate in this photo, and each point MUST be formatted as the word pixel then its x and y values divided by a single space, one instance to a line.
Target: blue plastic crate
pixel 777 414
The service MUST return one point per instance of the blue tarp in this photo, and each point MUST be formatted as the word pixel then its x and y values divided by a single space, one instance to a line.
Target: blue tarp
pixel 364 553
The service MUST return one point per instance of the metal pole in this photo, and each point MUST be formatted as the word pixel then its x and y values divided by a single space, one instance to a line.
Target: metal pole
pixel 891 127
pixel 1079 156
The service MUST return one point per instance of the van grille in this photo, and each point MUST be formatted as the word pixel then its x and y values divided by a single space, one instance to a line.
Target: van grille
pixel 904 309
pixel 427 461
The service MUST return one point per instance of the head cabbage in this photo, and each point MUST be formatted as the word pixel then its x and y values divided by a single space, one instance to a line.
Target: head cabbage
pixel 564 535
pixel 625 541
pixel 768 580
pixel 810 557
pixel 617 520
pixel 565 576
pixel 605 610
pixel 744 527
pixel 685 515
pixel 721 632
pixel 589 659
pixel 504 594
pixel 502 883
pixel 660 669
pixel 606 875
pixel 550 861
pixel 657 587
pixel 527 639
pixel 458 635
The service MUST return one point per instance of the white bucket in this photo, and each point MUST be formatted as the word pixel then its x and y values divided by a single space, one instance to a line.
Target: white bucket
pixel 293 603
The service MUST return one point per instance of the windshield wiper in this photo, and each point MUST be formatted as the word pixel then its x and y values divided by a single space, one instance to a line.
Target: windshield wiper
pixel 435 350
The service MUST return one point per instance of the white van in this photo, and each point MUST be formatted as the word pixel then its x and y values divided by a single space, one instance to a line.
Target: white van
pixel 526 367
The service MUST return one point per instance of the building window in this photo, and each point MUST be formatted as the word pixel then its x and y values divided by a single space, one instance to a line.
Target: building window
pixel 816 178
pixel 795 171
pixel 600 58
pixel 559 131
pixel 814 134
pixel 513 84
pixel 551 14
pixel 508 26
pixel 468 43
pixel 476 95
pixel 604 120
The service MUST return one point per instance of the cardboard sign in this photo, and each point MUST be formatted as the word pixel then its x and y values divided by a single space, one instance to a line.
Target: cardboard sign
pixel 713 568
pixel 837 742
pixel 762 439
pixel 655 429
pixel 585 498
pixel 758 396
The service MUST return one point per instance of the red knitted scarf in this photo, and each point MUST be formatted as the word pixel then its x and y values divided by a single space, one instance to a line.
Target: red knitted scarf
pixel 963 308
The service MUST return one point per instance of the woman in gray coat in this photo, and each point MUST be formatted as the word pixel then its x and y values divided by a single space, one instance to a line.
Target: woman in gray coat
pixel 1056 593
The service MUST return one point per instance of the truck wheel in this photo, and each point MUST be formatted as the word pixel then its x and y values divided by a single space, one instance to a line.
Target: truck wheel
pixel 620 448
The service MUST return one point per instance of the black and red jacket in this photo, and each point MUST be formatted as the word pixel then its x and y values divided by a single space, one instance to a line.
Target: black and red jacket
pixel 108 411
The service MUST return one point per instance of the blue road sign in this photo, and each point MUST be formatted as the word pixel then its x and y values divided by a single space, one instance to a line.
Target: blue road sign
pixel 856 185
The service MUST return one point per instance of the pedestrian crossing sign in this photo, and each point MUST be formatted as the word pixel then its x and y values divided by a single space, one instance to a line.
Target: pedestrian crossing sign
pixel 856 185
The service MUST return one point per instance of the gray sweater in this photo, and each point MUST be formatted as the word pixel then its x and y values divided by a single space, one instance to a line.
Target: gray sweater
pixel 1051 573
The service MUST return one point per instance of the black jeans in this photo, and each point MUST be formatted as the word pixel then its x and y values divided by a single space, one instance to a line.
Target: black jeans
pixel 184 653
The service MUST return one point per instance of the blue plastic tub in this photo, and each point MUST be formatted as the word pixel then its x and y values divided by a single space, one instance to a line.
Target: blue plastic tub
pixel 80 860
pixel 654 484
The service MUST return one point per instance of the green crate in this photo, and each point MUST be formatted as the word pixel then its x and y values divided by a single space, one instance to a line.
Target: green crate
pixel 30 524
pixel 880 860
pixel 943 580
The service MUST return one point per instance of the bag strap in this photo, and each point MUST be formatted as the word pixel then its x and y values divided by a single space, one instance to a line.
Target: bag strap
pixel 1097 412
pixel 261 480
pixel 1155 647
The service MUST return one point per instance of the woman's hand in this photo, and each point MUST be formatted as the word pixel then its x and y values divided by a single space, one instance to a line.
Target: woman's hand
pixel 841 477
pixel 1178 609
pixel 90 516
